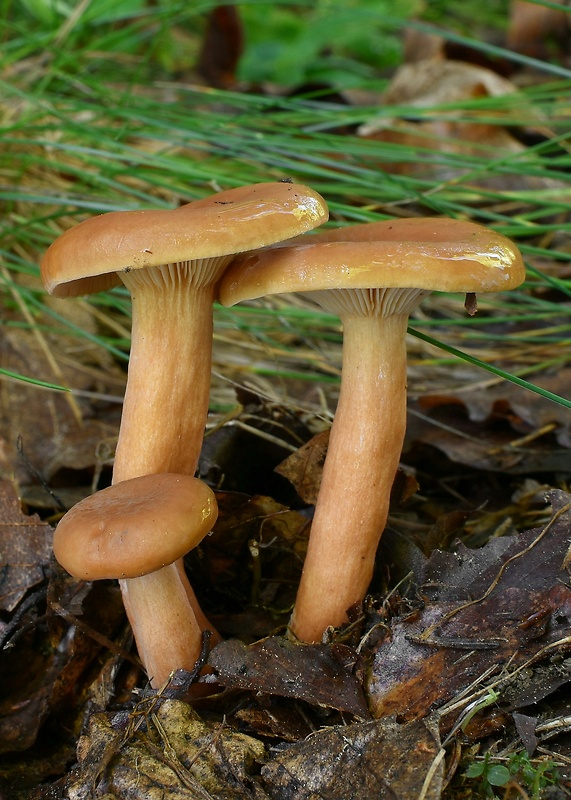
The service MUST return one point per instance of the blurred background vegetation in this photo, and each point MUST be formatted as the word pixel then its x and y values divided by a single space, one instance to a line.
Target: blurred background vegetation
pixel 107 105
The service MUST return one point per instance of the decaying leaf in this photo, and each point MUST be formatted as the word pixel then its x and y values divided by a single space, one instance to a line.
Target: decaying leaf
pixel 536 29
pixel 525 726
pixel 165 750
pixel 529 411
pixel 379 760
pixel 240 455
pixel 501 428
pixel 506 603
pixel 304 467
pixel 275 718
pixel 434 82
pixel 25 548
pixel 321 674
pixel 27 679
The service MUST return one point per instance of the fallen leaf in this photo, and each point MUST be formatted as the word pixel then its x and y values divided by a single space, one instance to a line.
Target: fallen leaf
pixel 27 676
pixel 304 468
pixel 165 749
pixel 494 429
pixel 527 411
pixel 428 140
pixel 25 548
pixel 379 760
pixel 434 82
pixel 240 456
pixel 252 560
pixel 273 717
pixel 505 602
pixel 525 726
pixel 536 682
pixel 320 674
pixel 535 29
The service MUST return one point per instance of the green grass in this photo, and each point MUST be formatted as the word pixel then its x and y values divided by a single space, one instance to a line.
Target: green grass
pixel 102 124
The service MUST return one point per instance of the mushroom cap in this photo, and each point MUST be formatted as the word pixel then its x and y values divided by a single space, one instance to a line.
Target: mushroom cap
pixel 86 258
pixel 134 527
pixel 427 253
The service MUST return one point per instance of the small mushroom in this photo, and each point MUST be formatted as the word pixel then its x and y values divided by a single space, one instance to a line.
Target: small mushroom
pixel 171 260
pixel 372 276
pixel 136 530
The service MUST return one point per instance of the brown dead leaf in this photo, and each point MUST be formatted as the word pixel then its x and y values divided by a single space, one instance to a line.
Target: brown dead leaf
pixel 525 726
pixel 25 548
pixel 532 410
pixel 379 760
pixel 502 427
pixel 536 682
pixel 449 137
pixel 240 456
pixel 315 673
pixel 44 667
pixel 304 468
pixel 95 751
pixel 437 81
pixel 275 717
pixel 43 675
pixel 502 603
pixel 27 676
pixel 434 82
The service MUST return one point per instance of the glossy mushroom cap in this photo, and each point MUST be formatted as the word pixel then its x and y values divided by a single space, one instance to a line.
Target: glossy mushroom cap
pixel 427 253
pixel 85 258
pixel 134 527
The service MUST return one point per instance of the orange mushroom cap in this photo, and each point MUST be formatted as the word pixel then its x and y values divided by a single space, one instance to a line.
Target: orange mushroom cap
pixel 426 253
pixel 86 258
pixel 134 527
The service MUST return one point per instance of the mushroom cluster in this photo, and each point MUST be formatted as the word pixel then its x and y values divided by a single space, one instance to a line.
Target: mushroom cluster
pixel 233 246
pixel 170 261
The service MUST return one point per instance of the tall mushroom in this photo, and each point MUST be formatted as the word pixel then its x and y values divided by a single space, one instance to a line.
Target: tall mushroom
pixel 372 276
pixel 171 260
pixel 133 531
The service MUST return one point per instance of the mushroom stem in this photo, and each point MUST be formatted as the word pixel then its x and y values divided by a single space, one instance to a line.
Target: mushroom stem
pixel 158 609
pixel 363 456
pixel 162 427
pixel 166 400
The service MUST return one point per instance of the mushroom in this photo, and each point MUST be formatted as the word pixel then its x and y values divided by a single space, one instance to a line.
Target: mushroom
pixel 136 530
pixel 171 260
pixel 372 276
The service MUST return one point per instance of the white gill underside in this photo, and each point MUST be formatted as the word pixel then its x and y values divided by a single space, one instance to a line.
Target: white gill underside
pixel 369 302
